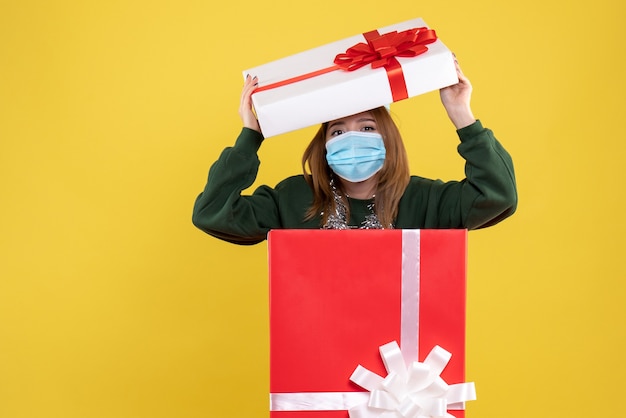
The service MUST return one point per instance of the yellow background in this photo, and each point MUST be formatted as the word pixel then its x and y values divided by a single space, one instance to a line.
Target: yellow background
pixel 113 305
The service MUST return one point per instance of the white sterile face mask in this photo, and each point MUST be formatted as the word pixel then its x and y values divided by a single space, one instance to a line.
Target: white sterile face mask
pixel 356 156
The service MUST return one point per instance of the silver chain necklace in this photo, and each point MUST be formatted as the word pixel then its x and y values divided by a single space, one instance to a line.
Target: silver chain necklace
pixel 338 220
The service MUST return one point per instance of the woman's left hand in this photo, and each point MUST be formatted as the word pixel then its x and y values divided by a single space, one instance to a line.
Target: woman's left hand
pixel 456 100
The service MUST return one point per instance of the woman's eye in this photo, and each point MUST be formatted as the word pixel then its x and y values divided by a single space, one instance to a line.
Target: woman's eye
pixel 336 132
pixel 368 128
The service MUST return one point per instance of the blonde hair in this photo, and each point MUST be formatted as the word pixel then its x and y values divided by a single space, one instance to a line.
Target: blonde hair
pixel 392 178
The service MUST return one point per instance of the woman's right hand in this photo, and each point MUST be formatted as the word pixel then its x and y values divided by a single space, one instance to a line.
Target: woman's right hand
pixel 245 107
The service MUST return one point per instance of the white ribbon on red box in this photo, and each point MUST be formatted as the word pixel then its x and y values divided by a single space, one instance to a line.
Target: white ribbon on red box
pixel 414 392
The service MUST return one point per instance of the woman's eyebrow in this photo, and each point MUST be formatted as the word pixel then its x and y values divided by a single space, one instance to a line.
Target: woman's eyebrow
pixel 341 122
pixel 335 124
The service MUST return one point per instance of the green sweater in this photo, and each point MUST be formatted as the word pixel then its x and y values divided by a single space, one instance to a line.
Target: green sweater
pixel 485 197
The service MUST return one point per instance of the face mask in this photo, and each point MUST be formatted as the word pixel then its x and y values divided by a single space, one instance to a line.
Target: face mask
pixel 356 156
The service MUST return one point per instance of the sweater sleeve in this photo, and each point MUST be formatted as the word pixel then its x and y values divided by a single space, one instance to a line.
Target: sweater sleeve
pixel 488 194
pixel 221 210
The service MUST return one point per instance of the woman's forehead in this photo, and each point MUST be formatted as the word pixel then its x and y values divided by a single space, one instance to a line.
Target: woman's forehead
pixel 367 115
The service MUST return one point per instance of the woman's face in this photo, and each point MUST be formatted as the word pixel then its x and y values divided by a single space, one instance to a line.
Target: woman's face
pixel 363 122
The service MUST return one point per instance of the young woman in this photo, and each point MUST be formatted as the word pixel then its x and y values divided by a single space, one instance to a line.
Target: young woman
pixel 356 175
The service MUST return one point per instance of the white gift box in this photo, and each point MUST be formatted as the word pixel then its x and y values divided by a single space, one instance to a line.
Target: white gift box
pixel 339 93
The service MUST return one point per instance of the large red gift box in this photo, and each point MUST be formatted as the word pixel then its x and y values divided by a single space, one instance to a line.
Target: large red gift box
pixel 336 296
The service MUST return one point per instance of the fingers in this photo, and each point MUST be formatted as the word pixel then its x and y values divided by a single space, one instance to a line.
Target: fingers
pixel 459 72
pixel 249 85
pixel 245 107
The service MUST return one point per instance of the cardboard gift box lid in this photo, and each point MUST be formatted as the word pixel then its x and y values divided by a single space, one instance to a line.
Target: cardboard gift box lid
pixel 339 93
pixel 336 296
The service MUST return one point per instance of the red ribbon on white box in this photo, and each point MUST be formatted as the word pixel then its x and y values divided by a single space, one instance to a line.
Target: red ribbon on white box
pixel 416 391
